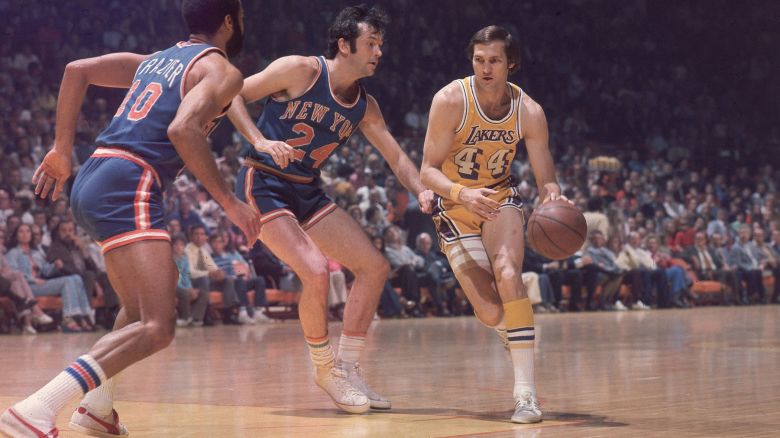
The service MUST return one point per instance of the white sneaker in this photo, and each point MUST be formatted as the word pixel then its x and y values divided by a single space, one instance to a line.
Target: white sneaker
pixel 14 425
pixel 527 409
pixel 335 382
pixel 183 322
pixel 261 317
pixel 93 425
pixel 42 319
pixel 639 305
pixel 355 376
pixel 29 330
pixel 244 318
pixel 619 306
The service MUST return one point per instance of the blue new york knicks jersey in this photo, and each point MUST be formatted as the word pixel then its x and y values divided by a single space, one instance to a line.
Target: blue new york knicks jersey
pixel 140 125
pixel 315 124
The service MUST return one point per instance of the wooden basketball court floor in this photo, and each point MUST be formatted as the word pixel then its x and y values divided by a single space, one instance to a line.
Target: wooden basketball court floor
pixel 671 373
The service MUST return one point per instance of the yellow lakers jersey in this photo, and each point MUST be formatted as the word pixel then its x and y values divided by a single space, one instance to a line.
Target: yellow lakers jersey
pixel 483 149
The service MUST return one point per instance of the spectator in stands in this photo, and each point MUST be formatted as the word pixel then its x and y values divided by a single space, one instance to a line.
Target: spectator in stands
pixel 719 224
pixel 768 259
pixel 595 217
pixel 390 304
pixel 708 264
pixel 650 278
pixel 436 275
pixel 608 273
pixel 675 275
pixel 191 302
pixel 775 246
pixel 744 256
pixel 204 272
pixel 236 268
pixel 403 263
pixel 68 248
pixel 337 292
pixel 20 293
pixel 187 216
pixel 31 262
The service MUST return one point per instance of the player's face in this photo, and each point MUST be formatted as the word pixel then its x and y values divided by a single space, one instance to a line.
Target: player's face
pixel 368 49
pixel 490 63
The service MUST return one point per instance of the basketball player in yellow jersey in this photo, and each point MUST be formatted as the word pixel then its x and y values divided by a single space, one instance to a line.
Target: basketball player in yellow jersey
pixel 474 128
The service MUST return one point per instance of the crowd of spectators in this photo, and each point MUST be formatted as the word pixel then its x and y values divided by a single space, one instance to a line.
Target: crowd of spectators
pixel 694 196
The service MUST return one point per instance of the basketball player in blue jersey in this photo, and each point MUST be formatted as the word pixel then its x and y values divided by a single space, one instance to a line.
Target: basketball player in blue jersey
pixel 175 97
pixel 314 105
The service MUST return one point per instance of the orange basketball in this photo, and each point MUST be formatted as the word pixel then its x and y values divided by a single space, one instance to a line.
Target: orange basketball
pixel 556 230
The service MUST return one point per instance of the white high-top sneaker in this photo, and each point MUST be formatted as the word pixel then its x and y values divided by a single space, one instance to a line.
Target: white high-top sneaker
pixel 93 425
pixel 527 409
pixel 335 382
pixel 355 377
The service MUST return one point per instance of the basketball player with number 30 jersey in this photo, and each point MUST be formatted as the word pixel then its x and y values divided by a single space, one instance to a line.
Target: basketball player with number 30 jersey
pixel 174 98
pixel 315 104
pixel 474 129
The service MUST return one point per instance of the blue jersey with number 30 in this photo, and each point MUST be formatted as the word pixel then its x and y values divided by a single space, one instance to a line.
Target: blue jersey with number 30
pixel 315 124
pixel 140 125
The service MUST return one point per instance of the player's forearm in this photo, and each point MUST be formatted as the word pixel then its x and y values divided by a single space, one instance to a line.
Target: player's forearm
pixel 435 180
pixel 241 119
pixel 194 150
pixel 408 175
pixel 72 91
pixel 544 173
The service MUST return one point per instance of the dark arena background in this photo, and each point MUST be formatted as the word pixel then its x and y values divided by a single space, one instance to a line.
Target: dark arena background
pixel 664 129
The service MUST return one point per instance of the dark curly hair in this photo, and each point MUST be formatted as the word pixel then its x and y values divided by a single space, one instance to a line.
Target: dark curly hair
pixel 346 26
pixel 205 16
pixel 497 33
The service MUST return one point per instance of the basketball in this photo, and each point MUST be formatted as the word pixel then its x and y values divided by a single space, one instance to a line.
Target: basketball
pixel 556 230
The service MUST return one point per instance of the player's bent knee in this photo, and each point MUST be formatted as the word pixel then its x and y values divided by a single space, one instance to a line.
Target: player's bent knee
pixel 490 318
pixel 315 273
pixel 159 335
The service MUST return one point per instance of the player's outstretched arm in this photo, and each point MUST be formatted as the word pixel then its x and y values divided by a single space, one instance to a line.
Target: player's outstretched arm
pixel 113 70
pixel 218 85
pixel 374 128
pixel 536 136
pixel 443 120
pixel 279 79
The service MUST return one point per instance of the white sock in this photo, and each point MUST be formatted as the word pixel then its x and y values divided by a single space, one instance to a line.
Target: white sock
pixel 523 361
pixel 80 377
pixel 350 348
pixel 100 401
pixel 321 352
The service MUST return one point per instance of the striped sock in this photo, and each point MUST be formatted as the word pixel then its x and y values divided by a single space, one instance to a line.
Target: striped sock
pixel 100 401
pixel 520 332
pixel 321 352
pixel 82 376
pixel 350 347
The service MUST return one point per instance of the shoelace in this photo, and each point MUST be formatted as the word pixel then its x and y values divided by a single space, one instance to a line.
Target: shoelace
pixel 527 403
pixel 342 383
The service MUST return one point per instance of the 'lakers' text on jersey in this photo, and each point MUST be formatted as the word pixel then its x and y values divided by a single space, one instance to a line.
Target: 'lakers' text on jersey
pixel 315 124
pixel 483 148
pixel 140 125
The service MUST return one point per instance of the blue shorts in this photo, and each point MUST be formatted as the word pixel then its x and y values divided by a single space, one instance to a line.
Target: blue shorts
pixel 275 196
pixel 117 199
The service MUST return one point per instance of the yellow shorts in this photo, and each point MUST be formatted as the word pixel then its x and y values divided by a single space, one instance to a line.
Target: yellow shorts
pixel 460 231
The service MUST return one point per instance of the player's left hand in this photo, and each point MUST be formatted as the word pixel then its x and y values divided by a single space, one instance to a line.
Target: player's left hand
pixel 54 171
pixel 425 198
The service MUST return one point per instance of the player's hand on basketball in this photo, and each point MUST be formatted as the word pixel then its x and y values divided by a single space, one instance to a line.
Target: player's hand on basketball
pixel 478 202
pixel 281 152
pixel 51 175
pixel 425 198
pixel 554 194
pixel 245 217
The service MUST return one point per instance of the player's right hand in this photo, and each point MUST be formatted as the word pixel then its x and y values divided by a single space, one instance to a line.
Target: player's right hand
pixel 478 202
pixel 281 152
pixel 246 218
pixel 54 171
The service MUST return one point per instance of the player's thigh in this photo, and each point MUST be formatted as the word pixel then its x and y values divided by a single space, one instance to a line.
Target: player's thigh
pixel 144 276
pixel 504 242
pixel 287 240
pixel 342 239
